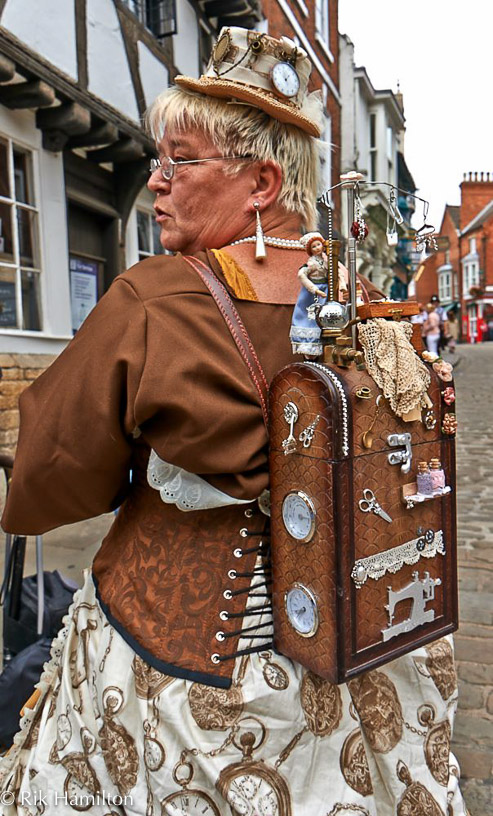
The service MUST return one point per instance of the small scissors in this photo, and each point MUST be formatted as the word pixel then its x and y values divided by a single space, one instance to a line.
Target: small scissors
pixel 369 504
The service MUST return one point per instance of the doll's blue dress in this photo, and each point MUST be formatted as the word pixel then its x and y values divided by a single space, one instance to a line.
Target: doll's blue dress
pixel 305 332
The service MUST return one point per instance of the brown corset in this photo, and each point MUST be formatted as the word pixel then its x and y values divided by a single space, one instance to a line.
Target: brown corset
pixel 164 579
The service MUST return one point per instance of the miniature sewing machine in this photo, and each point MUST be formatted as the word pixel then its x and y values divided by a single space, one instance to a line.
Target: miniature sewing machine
pixel 420 592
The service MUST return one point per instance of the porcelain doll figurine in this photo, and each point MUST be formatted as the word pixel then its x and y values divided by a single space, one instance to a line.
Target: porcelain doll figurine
pixel 305 333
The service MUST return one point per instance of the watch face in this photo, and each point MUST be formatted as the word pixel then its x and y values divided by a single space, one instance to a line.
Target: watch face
pixel 191 802
pixel 154 754
pixel 298 515
pixel 285 79
pixel 250 794
pixel 302 610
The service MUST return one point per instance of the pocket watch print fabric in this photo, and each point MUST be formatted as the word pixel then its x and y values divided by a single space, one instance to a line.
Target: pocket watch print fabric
pixel 112 736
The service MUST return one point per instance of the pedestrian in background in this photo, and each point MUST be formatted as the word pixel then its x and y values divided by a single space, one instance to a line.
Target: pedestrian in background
pixel 453 330
pixel 431 329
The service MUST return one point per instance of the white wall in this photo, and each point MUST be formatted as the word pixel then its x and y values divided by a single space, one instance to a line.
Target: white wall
pixel 347 89
pixel 46 26
pixel 109 74
pixel 153 74
pixel 186 41
pixel 362 131
pixel 49 186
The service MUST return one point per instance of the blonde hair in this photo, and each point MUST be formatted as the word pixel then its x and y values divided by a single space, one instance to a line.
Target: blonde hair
pixel 243 130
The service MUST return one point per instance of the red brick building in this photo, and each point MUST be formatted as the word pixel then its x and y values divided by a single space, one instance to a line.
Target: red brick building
pixel 476 255
pixel 461 271
pixel 313 24
pixel 438 274
pixel 424 282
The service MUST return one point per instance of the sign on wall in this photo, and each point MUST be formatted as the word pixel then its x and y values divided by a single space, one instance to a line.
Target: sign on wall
pixel 83 289
pixel 8 314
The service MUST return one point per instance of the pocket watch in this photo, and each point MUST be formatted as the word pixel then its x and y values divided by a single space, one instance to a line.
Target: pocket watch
pixel 298 515
pixel 302 610
pixel 192 801
pixel 437 744
pixel 285 79
pixel 251 786
pixel 81 782
pixel 154 753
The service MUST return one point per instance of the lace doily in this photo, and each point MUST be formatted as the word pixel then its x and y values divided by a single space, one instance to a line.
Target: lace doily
pixel 393 363
pixel 187 490
pixel 375 566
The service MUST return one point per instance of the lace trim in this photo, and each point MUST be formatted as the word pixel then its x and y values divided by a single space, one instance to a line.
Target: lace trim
pixel 304 333
pixel 375 566
pixel 307 348
pixel 46 682
pixel 187 490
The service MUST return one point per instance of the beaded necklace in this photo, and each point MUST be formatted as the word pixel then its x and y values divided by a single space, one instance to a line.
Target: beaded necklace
pixel 270 240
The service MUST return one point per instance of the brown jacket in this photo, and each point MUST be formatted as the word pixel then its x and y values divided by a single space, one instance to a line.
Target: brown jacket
pixel 156 357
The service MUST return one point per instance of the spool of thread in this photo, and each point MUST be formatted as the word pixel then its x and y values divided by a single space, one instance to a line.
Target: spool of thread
pixel 423 480
pixel 437 474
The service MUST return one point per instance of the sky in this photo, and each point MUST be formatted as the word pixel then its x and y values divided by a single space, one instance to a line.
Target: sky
pixel 441 53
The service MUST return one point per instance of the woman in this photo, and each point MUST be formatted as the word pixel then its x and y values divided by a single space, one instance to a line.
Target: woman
pixel 164 695
pixel 431 329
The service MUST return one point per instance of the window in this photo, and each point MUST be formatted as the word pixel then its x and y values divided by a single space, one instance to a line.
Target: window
pixel 322 19
pixel 390 152
pixel 390 144
pixel 471 276
pixel 373 147
pixel 472 245
pixel 445 286
pixel 20 264
pixel 148 231
pixel 326 157
pixel 159 16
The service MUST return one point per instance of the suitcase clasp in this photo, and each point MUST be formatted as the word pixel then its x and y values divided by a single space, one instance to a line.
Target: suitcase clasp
pixel 404 457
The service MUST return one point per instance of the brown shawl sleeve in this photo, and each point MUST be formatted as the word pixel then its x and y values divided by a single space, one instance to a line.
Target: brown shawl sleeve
pixel 72 459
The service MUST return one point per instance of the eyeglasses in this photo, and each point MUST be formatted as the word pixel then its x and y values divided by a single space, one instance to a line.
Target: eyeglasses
pixel 167 165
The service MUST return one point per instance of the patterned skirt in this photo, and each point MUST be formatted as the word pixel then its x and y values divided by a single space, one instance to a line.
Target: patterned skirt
pixel 110 735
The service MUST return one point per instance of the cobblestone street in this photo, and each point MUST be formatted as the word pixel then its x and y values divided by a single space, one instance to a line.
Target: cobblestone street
pixel 473 739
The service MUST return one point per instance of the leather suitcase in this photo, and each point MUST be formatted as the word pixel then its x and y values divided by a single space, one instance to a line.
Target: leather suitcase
pixel 352 590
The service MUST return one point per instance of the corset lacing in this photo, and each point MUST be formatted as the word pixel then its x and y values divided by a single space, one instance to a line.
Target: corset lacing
pixel 258 579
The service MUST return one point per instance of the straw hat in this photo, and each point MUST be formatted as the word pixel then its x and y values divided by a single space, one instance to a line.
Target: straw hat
pixel 270 74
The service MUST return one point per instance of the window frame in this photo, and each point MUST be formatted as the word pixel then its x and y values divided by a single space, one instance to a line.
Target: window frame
pixel 16 265
pixel 445 285
pixel 373 147
pixel 322 23
pixel 143 11
pixel 142 253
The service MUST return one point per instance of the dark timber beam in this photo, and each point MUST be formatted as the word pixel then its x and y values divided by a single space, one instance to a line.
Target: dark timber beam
pixel 36 66
pixel 125 150
pixel 7 69
pixel 35 94
pixel 129 180
pixel 70 118
pixel 54 140
pixel 104 134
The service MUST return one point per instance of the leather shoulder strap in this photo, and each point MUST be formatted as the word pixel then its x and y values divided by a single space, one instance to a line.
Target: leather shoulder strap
pixel 237 329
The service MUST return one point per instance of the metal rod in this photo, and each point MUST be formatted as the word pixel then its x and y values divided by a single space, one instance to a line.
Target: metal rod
pixel 351 187
pixel 40 584
pixel 324 197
